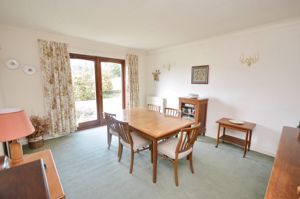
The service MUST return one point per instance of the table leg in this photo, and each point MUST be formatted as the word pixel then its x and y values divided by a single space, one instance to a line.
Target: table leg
pixel 151 152
pixel 154 151
pixel 224 129
pixel 250 137
pixel 246 144
pixel 218 137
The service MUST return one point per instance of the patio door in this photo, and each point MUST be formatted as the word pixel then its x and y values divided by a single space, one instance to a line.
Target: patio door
pixel 99 86
pixel 113 85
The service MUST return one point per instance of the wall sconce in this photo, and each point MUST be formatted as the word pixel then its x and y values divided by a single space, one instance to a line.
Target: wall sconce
pixel 167 66
pixel 156 74
pixel 249 60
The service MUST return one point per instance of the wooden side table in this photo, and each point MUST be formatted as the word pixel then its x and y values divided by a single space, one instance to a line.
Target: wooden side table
pixel 54 184
pixel 246 127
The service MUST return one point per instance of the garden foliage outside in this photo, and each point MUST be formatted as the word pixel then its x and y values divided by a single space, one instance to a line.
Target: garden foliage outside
pixel 84 88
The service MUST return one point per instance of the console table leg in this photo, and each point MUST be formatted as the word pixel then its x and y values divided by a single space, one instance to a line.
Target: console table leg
pixel 250 137
pixel 224 129
pixel 246 144
pixel 218 137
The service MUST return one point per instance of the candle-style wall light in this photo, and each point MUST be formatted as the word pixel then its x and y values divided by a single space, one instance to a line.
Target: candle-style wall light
pixel 249 60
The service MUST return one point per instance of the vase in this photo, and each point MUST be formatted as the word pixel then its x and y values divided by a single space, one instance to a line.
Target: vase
pixel 35 142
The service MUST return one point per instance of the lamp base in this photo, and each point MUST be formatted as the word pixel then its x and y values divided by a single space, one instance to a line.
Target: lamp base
pixel 16 151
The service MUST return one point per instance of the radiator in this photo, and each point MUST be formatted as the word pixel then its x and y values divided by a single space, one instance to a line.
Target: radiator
pixel 158 101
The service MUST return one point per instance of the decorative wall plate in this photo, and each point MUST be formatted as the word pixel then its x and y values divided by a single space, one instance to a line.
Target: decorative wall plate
pixel 12 64
pixel 29 70
pixel 236 122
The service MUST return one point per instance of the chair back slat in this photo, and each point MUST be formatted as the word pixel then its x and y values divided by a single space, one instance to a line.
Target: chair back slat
pixel 124 131
pixel 109 121
pixel 172 112
pixel 185 144
pixel 187 139
pixel 153 107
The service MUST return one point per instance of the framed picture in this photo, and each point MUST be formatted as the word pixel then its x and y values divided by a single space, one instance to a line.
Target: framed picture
pixel 200 74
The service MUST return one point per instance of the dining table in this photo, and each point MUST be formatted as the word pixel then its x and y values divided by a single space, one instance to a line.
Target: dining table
pixel 154 126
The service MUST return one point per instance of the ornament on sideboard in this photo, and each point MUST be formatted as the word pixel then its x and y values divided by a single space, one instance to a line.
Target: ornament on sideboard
pixel 156 74
pixel 249 60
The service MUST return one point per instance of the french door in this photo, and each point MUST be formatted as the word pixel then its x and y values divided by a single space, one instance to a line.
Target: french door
pixel 99 86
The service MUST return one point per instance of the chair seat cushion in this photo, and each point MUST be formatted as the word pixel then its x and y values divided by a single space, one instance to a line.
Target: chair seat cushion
pixel 168 148
pixel 113 132
pixel 138 141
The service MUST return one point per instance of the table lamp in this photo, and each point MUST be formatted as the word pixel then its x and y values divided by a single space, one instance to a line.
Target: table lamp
pixel 14 124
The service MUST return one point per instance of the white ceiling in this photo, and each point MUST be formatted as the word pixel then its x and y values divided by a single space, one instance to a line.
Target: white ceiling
pixel 144 24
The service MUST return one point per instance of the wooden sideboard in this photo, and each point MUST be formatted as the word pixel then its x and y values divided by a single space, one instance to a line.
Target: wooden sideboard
pixel 54 184
pixel 284 182
pixel 195 109
pixel 26 181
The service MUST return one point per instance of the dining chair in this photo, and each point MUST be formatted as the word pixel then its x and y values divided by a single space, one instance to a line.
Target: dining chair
pixel 175 149
pixel 153 107
pixel 111 127
pixel 130 140
pixel 172 112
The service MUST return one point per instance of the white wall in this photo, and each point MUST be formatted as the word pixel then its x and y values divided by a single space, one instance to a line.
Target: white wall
pixel 20 90
pixel 266 93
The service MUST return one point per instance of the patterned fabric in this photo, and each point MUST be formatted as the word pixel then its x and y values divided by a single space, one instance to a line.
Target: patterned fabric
pixel 58 91
pixel 132 93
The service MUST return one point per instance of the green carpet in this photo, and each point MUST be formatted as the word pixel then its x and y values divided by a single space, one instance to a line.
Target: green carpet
pixel 88 170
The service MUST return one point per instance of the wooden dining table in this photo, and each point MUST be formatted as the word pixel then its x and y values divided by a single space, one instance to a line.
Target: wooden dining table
pixel 153 126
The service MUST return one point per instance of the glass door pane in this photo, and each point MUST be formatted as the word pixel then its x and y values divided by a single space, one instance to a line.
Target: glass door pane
pixel 112 96
pixel 84 87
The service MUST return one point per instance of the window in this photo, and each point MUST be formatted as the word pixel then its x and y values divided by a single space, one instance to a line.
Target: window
pixel 99 86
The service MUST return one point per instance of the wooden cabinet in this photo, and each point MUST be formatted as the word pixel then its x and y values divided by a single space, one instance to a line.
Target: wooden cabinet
pixel 26 181
pixel 284 182
pixel 194 109
pixel 54 184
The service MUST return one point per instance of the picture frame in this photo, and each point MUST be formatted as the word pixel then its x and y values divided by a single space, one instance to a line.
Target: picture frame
pixel 200 74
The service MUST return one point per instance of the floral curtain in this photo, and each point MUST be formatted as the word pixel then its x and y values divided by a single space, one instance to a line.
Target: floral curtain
pixel 132 92
pixel 58 91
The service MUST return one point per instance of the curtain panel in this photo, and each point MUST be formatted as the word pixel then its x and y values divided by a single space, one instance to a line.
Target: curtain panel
pixel 58 90
pixel 132 92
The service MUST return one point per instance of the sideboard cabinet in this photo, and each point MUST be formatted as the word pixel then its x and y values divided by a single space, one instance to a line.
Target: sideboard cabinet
pixel 284 182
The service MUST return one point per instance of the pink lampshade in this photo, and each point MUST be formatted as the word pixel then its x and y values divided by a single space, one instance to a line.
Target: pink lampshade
pixel 14 124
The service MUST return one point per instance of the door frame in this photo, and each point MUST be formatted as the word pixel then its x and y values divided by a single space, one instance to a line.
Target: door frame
pixel 98 81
